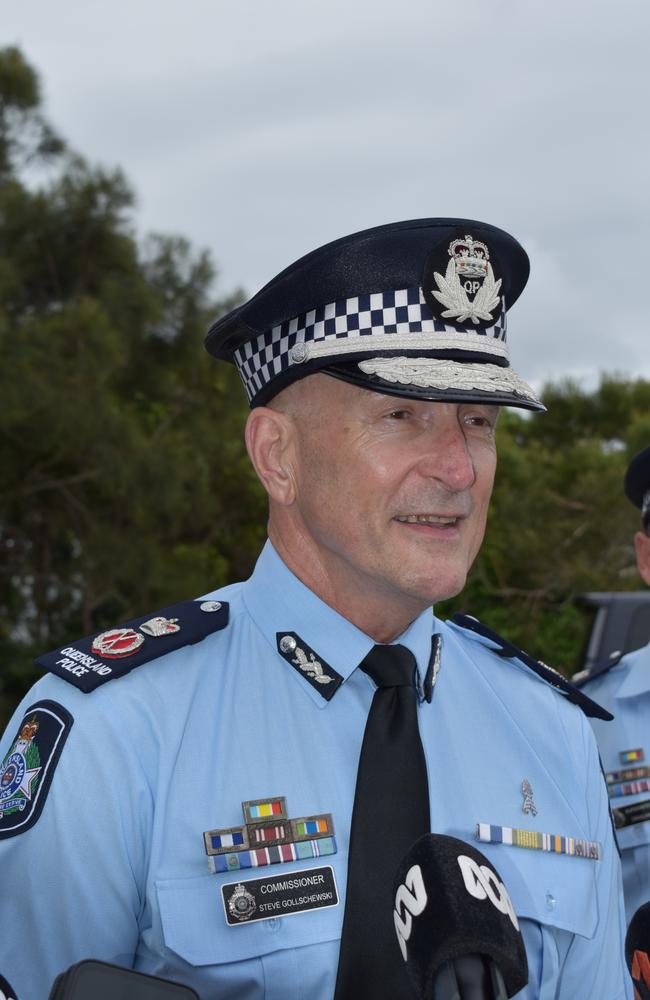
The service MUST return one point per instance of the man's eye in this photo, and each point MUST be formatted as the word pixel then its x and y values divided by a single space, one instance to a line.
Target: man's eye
pixel 476 420
pixel 398 414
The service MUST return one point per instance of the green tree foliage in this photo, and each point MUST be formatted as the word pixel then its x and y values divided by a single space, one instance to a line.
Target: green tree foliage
pixel 125 485
pixel 559 524
pixel 25 136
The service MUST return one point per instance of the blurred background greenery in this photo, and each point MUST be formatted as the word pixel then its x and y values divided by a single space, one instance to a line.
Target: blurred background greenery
pixel 125 484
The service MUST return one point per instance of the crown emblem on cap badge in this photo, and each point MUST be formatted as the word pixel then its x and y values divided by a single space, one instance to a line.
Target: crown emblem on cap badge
pixel 469 290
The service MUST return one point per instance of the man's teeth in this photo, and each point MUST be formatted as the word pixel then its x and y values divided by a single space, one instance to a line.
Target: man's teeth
pixel 425 519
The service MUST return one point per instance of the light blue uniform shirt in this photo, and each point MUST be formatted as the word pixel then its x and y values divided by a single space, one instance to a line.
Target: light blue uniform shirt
pixel 115 867
pixel 625 691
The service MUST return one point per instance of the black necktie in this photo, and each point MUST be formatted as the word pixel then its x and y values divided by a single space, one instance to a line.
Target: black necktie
pixel 391 810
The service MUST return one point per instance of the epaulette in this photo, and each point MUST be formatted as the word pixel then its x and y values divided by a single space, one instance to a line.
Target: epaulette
pixel 92 661
pixel 597 670
pixel 551 676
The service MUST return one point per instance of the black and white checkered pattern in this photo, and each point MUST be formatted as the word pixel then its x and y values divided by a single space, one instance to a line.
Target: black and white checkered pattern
pixel 397 312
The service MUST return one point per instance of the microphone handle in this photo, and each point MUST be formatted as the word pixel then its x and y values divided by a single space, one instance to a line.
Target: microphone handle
pixel 472 977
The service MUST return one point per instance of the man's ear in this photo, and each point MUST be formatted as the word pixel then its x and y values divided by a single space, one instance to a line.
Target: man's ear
pixel 642 545
pixel 270 440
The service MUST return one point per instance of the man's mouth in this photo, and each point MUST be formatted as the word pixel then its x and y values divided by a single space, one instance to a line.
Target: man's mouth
pixel 432 519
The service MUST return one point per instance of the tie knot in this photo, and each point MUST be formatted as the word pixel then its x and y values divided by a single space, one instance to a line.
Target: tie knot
pixel 390 666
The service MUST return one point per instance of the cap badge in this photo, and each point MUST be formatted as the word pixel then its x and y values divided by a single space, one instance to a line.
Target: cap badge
pixel 527 792
pixel 469 290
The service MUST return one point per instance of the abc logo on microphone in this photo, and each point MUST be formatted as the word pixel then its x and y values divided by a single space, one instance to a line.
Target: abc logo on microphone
pixel 450 907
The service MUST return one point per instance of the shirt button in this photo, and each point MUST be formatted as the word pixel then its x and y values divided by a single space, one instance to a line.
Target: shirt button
pixel 272 924
pixel 550 901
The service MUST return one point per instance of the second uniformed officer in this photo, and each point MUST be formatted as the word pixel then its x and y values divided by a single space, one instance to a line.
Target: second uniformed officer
pixel 305 727
pixel 622 685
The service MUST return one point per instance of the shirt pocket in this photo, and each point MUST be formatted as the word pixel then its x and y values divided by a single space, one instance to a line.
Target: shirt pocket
pixel 556 890
pixel 635 835
pixel 194 923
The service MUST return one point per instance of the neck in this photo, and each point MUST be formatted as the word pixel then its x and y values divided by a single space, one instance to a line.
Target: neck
pixel 377 612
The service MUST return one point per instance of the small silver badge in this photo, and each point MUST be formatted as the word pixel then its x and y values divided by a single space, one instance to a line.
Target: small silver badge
pixel 312 667
pixel 298 353
pixel 527 792
pixel 210 606
pixel 160 626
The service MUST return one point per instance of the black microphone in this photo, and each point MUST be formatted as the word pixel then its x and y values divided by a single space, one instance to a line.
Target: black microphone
pixel 103 981
pixel 7 992
pixel 637 944
pixel 456 925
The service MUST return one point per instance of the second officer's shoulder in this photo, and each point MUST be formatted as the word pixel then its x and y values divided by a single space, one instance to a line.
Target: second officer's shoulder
pixel 471 629
pixel 599 671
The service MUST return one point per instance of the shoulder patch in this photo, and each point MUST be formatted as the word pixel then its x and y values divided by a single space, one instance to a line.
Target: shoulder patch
pixel 27 769
pixel 106 655
pixel 597 670
pixel 551 676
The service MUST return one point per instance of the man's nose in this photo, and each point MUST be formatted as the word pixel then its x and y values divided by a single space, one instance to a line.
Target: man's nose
pixel 447 458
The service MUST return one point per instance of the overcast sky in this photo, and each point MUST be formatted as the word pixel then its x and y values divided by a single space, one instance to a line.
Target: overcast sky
pixel 261 130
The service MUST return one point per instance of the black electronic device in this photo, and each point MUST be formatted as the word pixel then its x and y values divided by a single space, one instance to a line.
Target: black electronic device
pixel 95 980
pixel 456 925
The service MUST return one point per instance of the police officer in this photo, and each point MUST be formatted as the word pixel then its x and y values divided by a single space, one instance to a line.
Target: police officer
pixel 622 685
pixel 233 726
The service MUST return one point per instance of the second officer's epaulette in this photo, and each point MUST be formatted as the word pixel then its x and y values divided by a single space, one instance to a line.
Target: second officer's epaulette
pixel 551 676
pixel 597 670
pixel 102 657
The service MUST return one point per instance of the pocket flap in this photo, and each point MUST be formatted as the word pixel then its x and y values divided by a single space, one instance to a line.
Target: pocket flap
pixel 194 923
pixel 635 835
pixel 554 889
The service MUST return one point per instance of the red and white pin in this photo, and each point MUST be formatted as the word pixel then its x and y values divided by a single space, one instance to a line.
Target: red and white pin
pixel 116 642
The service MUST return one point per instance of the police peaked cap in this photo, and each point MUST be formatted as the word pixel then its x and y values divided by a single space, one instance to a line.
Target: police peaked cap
pixel 637 483
pixel 412 309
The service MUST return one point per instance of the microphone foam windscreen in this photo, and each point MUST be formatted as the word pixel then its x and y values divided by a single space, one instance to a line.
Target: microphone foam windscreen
pixel 6 991
pixel 637 949
pixel 450 902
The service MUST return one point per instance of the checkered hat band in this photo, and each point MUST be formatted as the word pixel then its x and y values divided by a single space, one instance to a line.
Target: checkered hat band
pixel 381 321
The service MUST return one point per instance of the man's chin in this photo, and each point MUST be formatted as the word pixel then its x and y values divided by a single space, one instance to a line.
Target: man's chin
pixel 433 591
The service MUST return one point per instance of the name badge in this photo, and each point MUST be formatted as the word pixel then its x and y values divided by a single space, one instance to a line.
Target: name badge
pixel 638 812
pixel 279 895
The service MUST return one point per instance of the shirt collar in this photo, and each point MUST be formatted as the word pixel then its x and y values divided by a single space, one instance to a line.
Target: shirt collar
pixel 278 601
pixel 637 675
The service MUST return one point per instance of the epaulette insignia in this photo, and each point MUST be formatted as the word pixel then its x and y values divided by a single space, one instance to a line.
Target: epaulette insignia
pixel 598 669
pixel 549 674
pixel 305 660
pixel 90 662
